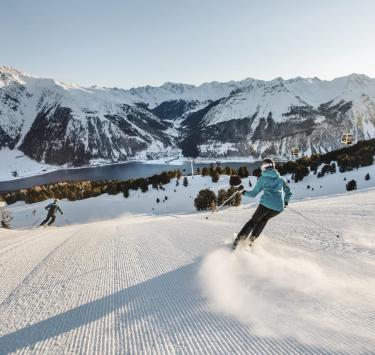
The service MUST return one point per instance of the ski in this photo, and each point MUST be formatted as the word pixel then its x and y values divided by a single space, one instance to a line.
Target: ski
pixel 248 241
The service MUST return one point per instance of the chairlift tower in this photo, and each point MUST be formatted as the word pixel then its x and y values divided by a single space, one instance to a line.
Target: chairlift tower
pixel 192 167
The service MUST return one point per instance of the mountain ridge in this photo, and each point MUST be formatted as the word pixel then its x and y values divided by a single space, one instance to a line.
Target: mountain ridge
pixel 59 123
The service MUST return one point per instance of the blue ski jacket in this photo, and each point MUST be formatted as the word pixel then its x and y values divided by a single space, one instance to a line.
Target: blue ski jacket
pixel 275 190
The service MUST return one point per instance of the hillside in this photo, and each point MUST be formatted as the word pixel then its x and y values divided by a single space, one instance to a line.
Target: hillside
pixel 180 199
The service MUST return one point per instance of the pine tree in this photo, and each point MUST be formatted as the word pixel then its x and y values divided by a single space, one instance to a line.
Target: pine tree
pixel 218 170
pixel 206 199
pixel 235 180
pixel 237 199
pixel 215 177
pixel 222 196
pixel 228 170
pixel 351 185
pixel 205 171
pixel 243 172
pixel 367 177
pixel 144 186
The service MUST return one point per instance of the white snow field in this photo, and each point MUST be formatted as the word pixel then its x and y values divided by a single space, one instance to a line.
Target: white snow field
pixel 170 284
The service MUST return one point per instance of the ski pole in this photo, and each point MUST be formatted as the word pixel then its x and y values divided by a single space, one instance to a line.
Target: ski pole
pixel 312 221
pixel 218 208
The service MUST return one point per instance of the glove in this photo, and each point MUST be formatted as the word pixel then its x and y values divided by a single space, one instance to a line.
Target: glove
pixel 286 204
pixel 240 188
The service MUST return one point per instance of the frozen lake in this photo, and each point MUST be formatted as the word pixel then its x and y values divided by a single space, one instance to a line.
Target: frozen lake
pixel 130 170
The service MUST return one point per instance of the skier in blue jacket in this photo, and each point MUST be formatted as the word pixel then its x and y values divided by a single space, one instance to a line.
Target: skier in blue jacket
pixel 276 195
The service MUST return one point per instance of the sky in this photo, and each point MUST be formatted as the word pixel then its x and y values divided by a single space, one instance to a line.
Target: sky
pixel 125 43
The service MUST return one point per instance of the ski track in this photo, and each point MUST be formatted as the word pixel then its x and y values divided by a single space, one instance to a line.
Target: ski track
pixel 129 285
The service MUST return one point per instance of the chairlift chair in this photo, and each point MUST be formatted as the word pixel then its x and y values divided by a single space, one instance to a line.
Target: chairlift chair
pixel 295 152
pixel 347 138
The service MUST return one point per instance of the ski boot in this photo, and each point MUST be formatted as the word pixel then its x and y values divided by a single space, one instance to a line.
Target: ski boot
pixel 237 239
pixel 251 241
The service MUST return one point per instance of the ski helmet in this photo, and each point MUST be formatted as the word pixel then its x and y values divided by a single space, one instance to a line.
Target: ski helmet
pixel 55 200
pixel 267 163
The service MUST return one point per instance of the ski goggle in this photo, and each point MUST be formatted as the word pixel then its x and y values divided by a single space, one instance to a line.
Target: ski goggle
pixel 264 166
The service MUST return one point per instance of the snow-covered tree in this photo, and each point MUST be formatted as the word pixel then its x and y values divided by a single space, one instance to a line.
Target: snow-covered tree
pixel 5 217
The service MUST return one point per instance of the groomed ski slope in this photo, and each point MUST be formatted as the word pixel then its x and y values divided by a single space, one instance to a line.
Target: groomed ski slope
pixel 171 285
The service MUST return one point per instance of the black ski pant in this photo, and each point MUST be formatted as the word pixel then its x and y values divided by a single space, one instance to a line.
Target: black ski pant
pixel 257 222
pixel 51 217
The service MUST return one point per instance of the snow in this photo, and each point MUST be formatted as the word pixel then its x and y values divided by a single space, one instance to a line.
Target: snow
pixel 262 98
pixel 15 160
pixel 331 184
pixel 168 283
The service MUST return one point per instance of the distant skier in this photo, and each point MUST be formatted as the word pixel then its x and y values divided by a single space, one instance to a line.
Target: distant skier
pixel 52 210
pixel 276 195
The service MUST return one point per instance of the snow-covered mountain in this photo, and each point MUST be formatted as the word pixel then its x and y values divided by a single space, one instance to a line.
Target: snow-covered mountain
pixel 60 123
